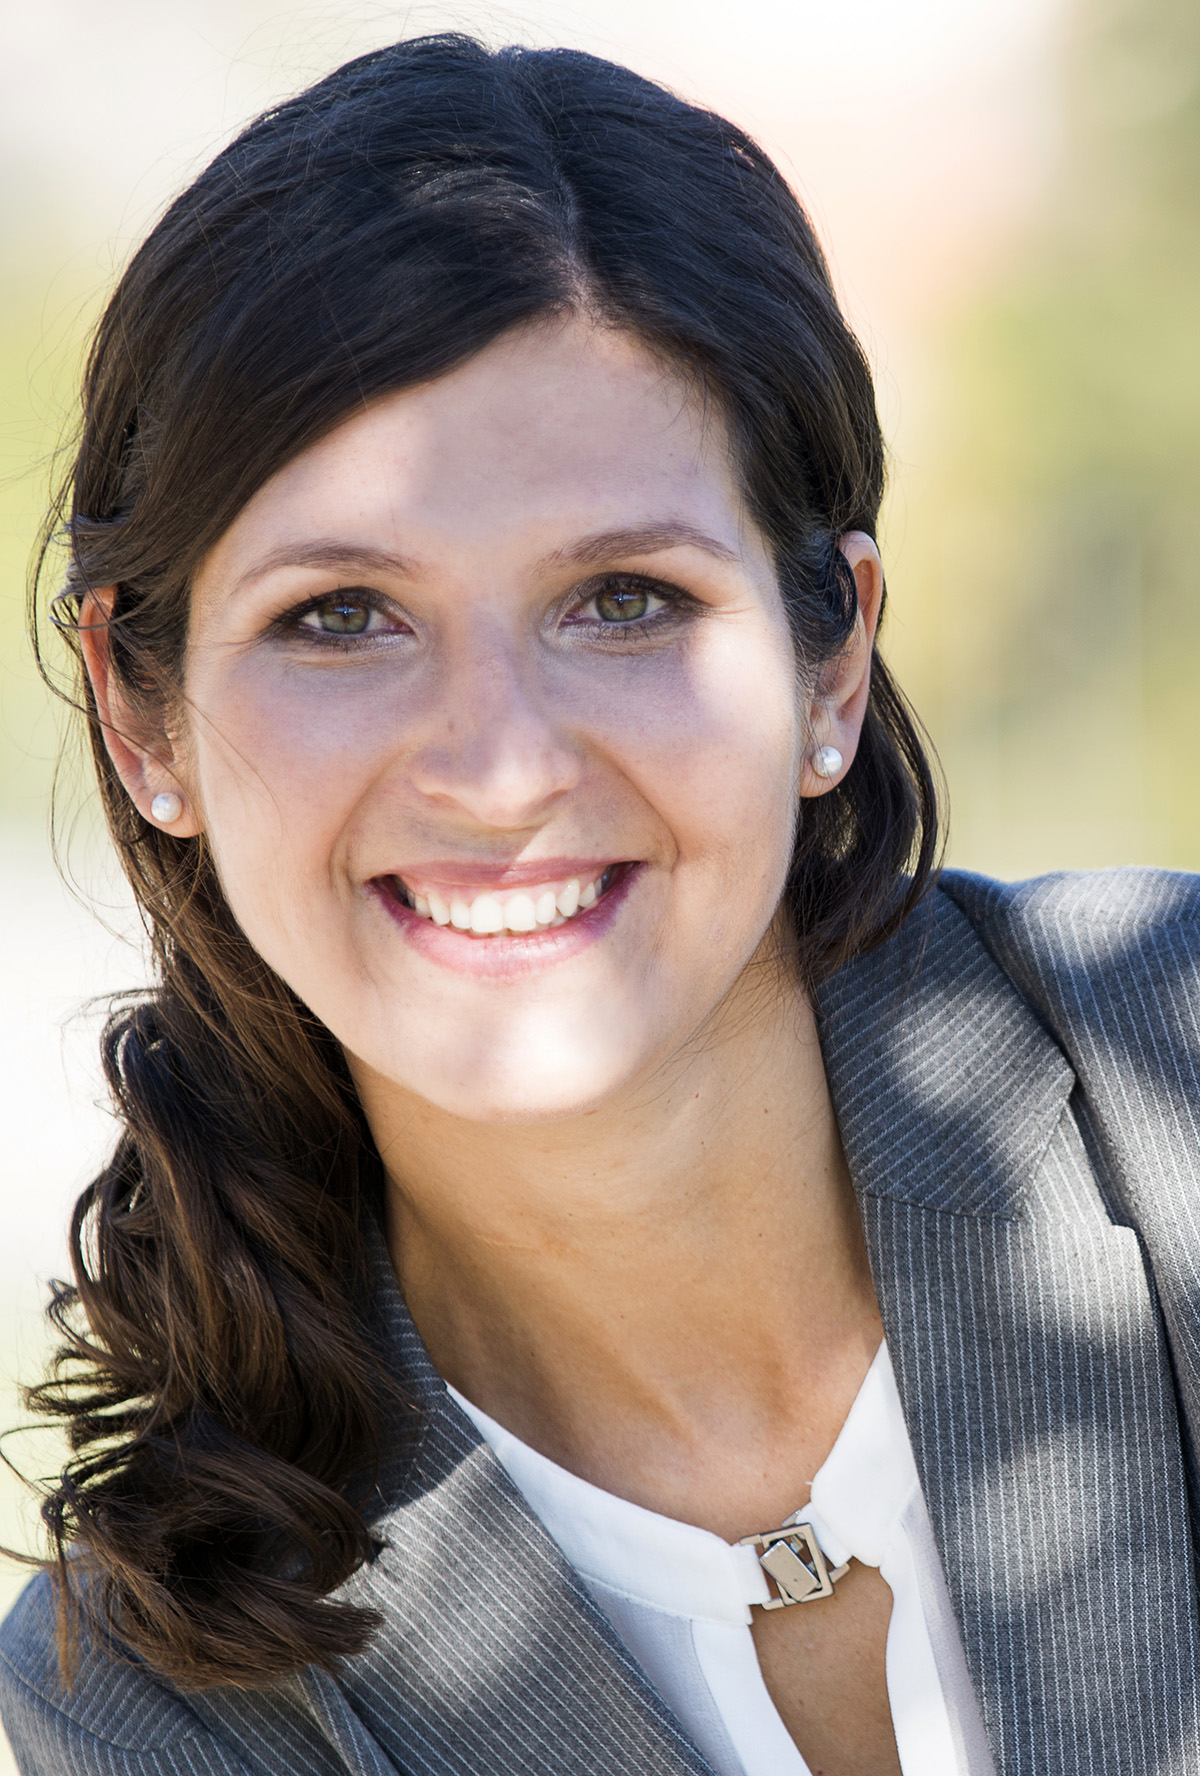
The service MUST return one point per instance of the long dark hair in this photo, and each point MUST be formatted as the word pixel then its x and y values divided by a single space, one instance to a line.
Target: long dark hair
pixel 217 1373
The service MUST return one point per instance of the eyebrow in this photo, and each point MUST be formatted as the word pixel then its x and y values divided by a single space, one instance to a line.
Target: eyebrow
pixel 638 539
pixel 602 545
pixel 329 554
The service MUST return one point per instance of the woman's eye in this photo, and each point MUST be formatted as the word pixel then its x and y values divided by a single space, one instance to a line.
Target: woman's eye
pixel 343 619
pixel 623 604
pixel 343 615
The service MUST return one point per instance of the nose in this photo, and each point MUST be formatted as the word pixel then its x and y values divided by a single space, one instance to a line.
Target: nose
pixel 498 749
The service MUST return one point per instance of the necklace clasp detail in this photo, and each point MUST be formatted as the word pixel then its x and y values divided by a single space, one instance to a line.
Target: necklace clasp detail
pixel 795 1561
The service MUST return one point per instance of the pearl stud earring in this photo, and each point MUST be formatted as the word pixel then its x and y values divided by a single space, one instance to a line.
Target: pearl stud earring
pixel 166 808
pixel 827 761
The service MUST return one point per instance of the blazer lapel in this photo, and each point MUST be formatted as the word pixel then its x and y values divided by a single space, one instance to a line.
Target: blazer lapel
pixel 490 1655
pixel 1028 1354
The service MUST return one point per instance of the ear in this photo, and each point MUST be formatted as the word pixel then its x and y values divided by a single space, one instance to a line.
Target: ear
pixel 145 755
pixel 836 712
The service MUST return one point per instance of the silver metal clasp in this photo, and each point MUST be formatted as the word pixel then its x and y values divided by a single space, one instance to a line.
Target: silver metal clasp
pixel 794 1558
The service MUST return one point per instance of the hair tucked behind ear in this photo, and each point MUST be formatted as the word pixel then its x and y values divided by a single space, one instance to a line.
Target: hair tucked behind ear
pixel 217 1375
pixel 863 856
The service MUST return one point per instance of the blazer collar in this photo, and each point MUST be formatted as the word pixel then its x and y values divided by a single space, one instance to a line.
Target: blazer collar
pixel 489 1655
pixel 1028 1354
pixel 484 1621
pixel 947 1088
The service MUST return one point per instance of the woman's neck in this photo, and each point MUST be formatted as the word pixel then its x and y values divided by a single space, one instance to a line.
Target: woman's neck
pixel 671 1296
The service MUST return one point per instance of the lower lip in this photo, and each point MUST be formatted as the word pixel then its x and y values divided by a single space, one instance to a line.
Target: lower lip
pixel 509 953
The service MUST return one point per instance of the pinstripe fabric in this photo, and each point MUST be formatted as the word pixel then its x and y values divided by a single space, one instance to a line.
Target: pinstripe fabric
pixel 1019 1151
pixel 486 1628
pixel 492 1657
pixel 1111 962
pixel 1026 1342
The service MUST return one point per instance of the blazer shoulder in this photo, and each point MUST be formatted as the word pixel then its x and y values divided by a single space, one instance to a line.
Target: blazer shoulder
pixel 114 1718
pixel 1131 897
pixel 1110 960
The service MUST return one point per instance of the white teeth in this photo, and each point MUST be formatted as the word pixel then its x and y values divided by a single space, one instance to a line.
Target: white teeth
pixel 520 913
pixel 489 914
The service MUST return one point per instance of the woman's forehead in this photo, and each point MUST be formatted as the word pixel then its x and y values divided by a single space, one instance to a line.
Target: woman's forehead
pixel 561 432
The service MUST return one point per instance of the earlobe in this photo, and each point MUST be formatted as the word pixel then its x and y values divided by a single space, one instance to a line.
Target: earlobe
pixel 143 756
pixel 827 762
pixel 836 715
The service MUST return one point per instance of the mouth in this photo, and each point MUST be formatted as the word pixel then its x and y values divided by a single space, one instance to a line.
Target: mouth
pixel 507 912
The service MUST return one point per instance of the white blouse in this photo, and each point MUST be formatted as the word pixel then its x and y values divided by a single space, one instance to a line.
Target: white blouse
pixel 679 1597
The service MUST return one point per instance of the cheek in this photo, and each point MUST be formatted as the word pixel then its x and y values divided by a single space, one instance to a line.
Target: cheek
pixel 280 765
pixel 714 743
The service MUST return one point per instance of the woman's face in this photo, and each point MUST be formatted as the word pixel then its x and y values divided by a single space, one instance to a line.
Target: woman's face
pixel 495 729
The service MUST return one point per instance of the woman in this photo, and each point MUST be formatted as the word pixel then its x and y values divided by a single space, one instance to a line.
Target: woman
pixel 608 1266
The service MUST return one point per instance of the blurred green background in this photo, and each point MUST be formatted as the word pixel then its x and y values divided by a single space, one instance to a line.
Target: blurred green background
pixel 1047 588
pixel 1012 205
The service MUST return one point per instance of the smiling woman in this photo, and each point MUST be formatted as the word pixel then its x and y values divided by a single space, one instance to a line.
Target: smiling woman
pixel 563 1069
pixel 510 662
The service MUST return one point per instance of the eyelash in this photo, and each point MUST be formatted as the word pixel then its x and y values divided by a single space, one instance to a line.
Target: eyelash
pixel 290 624
pixel 676 605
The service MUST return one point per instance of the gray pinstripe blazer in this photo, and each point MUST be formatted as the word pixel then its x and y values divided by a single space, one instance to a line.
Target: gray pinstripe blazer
pixel 1017 1078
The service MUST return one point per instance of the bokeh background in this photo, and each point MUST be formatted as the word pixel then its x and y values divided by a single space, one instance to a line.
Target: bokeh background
pixel 1010 198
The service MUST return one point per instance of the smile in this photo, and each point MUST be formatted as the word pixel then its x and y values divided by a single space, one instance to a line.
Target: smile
pixel 494 912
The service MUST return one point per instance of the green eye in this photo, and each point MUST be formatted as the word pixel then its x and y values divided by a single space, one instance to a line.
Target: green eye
pixel 343 616
pixel 622 604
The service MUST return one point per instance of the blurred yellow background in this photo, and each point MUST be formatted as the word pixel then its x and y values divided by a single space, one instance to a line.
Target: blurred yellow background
pixel 1010 196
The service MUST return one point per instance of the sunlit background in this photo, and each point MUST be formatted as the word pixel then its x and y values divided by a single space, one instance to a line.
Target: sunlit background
pixel 1009 196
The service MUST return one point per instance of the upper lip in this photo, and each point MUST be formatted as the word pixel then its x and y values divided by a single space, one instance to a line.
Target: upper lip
pixel 478 878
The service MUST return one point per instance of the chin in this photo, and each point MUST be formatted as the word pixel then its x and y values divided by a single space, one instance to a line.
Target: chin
pixel 542 1064
pixel 506 1080
pixel 510 1096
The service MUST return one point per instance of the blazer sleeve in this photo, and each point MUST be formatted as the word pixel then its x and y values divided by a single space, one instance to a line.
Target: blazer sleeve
pixel 115 1719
